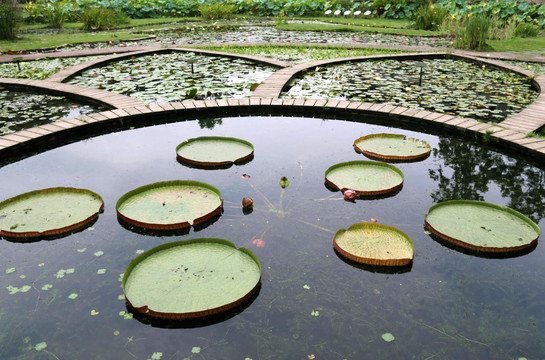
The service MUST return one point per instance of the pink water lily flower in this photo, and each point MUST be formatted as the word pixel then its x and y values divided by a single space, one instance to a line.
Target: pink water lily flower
pixel 258 243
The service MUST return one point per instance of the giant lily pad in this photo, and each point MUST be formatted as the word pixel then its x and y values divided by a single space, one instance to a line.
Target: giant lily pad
pixel 170 205
pixel 392 147
pixel 481 226
pixel 48 212
pixel 364 177
pixel 214 151
pixel 191 279
pixel 374 244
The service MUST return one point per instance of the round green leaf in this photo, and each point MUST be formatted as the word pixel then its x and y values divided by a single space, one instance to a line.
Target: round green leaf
pixel 170 205
pixel 48 212
pixel 190 279
pixel 374 244
pixel 481 226
pixel 392 147
pixel 214 151
pixel 364 177
pixel 388 337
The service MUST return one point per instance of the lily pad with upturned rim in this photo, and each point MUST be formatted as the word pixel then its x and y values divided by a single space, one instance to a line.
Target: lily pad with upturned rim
pixel 394 147
pixel 214 151
pixel 366 178
pixel 482 226
pixel 170 205
pixel 48 212
pixel 374 244
pixel 191 279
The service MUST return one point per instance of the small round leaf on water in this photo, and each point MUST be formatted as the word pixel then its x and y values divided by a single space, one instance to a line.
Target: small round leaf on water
pixel 392 147
pixel 48 212
pixel 214 151
pixel 374 244
pixel 388 337
pixel 170 205
pixel 364 177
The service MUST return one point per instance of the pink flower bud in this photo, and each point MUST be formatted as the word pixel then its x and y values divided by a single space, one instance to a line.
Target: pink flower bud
pixel 349 194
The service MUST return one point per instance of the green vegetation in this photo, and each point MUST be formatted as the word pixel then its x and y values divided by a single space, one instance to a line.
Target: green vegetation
pixel 429 17
pixel 217 11
pixel 517 44
pixel 474 33
pixel 96 18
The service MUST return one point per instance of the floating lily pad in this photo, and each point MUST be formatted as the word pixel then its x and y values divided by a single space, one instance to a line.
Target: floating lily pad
pixel 392 147
pixel 191 279
pixel 170 205
pixel 364 177
pixel 214 151
pixel 374 244
pixel 481 226
pixel 48 212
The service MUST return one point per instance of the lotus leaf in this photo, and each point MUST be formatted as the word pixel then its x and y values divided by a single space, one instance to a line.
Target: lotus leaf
pixel 481 226
pixel 364 177
pixel 392 147
pixel 191 279
pixel 48 212
pixel 374 244
pixel 170 205
pixel 214 151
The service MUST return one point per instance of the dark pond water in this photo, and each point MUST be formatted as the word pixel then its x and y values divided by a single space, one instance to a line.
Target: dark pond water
pixel 312 304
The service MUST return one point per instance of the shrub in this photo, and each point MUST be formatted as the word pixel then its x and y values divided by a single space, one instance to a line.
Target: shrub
pixel 56 13
pixel 97 18
pixel 474 33
pixel 217 11
pixel 10 16
pixel 526 30
pixel 32 12
pixel 429 17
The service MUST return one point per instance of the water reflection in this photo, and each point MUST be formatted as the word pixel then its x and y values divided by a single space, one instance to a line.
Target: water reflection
pixel 468 171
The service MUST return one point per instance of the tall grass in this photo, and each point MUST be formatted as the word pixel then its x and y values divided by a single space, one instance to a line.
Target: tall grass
pixel 429 17
pixel 10 17
pixel 474 33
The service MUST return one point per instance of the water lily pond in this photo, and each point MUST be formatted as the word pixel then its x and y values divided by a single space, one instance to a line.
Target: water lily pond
pixel 40 69
pixel 251 34
pixel 177 76
pixel 448 86
pixel 62 298
pixel 24 109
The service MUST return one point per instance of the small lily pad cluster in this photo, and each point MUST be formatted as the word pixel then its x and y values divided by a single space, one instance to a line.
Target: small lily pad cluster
pixel 448 86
